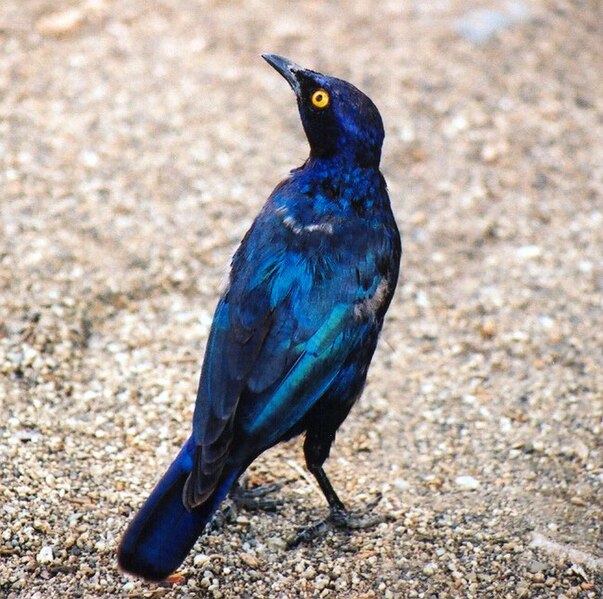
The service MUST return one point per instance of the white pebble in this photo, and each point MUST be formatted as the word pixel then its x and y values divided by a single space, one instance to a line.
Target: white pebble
pixel 200 559
pixel 528 251
pixel 401 484
pixel 60 23
pixel 467 482
pixel 45 556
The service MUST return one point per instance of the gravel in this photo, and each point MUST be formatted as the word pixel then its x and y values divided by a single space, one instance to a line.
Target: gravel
pixel 138 140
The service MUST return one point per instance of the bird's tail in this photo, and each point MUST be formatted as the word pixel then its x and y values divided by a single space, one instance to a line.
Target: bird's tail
pixel 164 531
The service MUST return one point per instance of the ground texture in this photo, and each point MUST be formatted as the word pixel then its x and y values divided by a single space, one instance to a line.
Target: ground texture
pixel 137 141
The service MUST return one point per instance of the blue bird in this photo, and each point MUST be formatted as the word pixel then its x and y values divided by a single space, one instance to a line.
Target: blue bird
pixel 294 332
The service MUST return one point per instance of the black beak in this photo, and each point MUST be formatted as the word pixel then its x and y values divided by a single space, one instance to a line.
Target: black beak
pixel 286 68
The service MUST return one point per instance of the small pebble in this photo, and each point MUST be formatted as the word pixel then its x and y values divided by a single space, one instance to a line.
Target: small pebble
pixel 200 560
pixel 276 543
pixel 528 252
pixel 536 566
pixel 467 482
pixel 59 24
pixel 45 555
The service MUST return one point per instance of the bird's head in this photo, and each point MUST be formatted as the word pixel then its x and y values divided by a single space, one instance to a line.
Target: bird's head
pixel 339 120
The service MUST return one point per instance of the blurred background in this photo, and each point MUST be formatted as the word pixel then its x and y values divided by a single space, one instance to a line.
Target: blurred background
pixel 137 142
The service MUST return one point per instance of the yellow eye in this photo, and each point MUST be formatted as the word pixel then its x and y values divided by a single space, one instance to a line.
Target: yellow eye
pixel 320 98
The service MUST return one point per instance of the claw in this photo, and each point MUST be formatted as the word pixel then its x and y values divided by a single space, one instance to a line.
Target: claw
pixel 305 535
pixel 254 498
pixel 347 521
pixel 261 491
pixel 340 519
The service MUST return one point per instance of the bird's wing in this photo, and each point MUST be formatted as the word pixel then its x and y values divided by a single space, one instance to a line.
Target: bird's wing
pixel 319 361
pixel 278 340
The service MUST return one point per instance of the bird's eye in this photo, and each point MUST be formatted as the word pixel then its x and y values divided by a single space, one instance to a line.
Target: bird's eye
pixel 320 98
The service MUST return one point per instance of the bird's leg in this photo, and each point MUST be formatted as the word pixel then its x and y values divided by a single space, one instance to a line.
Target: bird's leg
pixel 255 498
pixel 339 517
pixel 326 487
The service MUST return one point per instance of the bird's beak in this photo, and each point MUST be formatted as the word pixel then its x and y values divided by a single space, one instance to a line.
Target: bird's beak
pixel 286 68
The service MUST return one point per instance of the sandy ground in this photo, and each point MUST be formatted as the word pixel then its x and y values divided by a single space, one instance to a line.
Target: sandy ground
pixel 138 140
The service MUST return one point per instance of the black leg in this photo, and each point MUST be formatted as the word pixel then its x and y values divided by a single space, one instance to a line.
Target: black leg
pixel 326 487
pixel 316 450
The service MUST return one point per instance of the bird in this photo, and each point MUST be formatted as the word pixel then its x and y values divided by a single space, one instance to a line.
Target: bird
pixel 295 330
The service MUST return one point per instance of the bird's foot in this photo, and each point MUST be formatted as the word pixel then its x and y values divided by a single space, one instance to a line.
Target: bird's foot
pixel 340 519
pixel 255 499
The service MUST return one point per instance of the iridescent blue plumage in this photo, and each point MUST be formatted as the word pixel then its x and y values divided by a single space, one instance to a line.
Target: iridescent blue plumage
pixel 294 332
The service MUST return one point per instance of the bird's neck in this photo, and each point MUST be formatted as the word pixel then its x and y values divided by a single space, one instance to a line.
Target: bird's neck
pixel 335 183
pixel 341 166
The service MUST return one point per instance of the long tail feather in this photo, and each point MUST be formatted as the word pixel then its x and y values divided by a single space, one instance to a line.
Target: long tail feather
pixel 164 531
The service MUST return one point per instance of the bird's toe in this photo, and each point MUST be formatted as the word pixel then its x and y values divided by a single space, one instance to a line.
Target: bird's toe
pixel 254 499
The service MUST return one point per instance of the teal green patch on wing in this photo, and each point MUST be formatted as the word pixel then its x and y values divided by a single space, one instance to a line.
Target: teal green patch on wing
pixel 311 375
